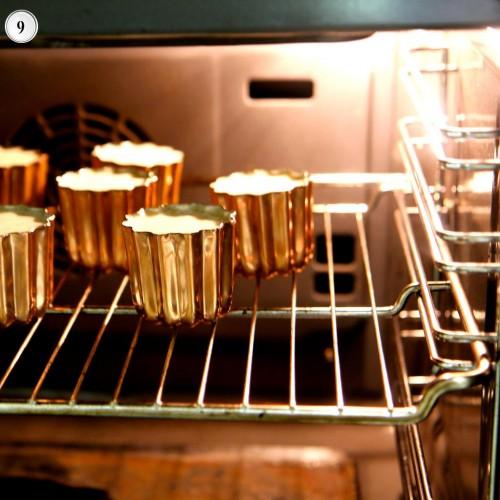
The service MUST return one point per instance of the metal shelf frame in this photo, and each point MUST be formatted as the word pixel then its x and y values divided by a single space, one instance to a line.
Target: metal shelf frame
pixel 436 126
pixel 426 202
pixel 436 129
pixel 454 374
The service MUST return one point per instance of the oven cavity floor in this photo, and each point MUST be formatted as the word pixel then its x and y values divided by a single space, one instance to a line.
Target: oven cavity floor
pixel 140 459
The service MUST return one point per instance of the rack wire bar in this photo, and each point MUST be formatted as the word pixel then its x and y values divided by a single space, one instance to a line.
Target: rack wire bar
pixel 441 253
pixel 293 326
pixel 457 375
pixel 126 363
pixel 409 440
pixel 435 232
pixel 32 332
pixel 302 312
pixel 20 352
pixel 431 324
pixel 166 365
pixel 430 327
pixel 206 367
pixel 376 325
pixel 62 338
pixel 98 338
pixel 367 415
pixel 251 342
pixel 331 286
pixel 420 380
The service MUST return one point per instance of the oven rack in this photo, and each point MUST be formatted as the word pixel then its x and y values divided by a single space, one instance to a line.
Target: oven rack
pixel 435 125
pixel 436 120
pixel 434 129
pixel 438 92
pixel 437 235
pixel 449 374
pixel 430 210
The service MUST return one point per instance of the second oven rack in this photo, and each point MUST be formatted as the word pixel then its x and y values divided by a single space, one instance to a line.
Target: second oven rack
pixel 449 374
pixel 433 121
pixel 450 72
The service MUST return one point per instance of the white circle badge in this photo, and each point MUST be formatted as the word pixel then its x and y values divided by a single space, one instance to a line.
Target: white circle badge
pixel 21 26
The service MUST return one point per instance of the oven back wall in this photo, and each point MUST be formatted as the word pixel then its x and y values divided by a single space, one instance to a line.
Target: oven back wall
pixel 198 100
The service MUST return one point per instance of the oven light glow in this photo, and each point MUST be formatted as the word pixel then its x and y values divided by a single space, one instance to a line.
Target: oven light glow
pixel 481 182
pixel 492 38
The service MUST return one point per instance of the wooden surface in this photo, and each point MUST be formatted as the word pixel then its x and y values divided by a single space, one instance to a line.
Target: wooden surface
pixel 250 472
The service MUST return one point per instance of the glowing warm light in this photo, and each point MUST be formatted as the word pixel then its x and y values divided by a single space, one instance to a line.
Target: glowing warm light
pixel 481 182
pixel 490 41
pixel 426 39
pixel 103 179
pixel 493 32
pixel 256 182
pixel 15 156
pixel 145 154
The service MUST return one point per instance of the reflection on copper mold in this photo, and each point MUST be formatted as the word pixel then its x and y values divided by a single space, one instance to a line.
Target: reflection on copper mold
pixel 26 262
pixel 274 230
pixel 92 217
pixel 23 176
pixel 185 276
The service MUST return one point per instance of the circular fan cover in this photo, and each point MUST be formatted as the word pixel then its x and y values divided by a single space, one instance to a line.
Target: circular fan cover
pixel 68 133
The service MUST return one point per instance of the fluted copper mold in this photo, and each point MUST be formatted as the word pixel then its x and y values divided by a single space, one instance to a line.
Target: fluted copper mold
pixel 23 176
pixel 26 265
pixel 274 230
pixel 165 162
pixel 92 218
pixel 182 277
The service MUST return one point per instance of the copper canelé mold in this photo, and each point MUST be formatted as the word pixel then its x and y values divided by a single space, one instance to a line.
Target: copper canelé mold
pixel 23 180
pixel 182 277
pixel 165 162
pixel 92 218
pixel 26 266
pixel 274 230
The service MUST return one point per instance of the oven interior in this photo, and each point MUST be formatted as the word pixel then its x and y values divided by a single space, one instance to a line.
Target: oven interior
pixel 400 133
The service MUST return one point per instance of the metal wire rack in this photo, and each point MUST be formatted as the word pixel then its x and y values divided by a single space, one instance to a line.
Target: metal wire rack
pixel 435 129
pixel 450 88
pixel 450 374
pixel 438 234
pixel 444 62
pixel 436 126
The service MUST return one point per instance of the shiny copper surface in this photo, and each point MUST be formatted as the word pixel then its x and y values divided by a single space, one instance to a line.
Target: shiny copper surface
pixel 24 184
pixel 168 188
pixel 92 222
pixel 183 278
pixel 274 231
pixel 26 267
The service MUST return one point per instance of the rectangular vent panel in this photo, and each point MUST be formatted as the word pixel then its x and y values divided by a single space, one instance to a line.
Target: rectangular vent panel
pixel 281 89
